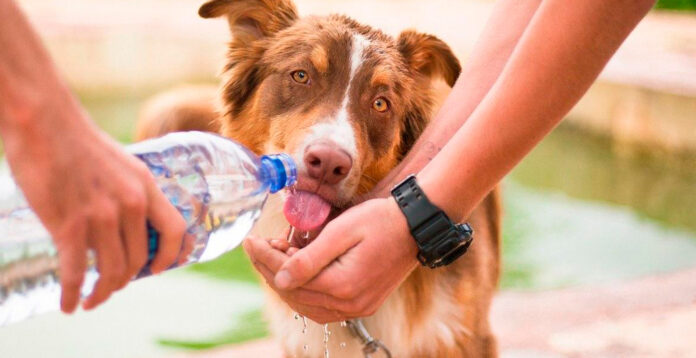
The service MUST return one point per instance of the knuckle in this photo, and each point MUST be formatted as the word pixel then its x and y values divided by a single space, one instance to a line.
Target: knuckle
pixel 303 264
pixel 176 229
pixel 134 200
pixel 142 171
pixel 113 279
pixel 115 274
pixel 169 254
pixel 104 214
pixel 71 282
pixel 136 264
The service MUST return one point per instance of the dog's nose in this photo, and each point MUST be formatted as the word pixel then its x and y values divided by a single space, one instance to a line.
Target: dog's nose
pixel 327 163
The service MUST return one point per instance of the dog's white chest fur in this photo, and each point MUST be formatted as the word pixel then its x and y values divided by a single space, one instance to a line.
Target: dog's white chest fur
pixel 390 324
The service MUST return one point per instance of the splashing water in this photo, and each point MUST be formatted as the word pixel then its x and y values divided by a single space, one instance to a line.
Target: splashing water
pixel 327 333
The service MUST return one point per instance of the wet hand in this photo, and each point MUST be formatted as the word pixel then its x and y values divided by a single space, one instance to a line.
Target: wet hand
pixel 348 270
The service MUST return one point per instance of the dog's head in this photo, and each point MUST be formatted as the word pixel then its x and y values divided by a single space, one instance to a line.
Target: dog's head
pixel 345 100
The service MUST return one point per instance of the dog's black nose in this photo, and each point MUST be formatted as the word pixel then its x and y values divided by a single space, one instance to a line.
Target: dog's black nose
pixel 327 162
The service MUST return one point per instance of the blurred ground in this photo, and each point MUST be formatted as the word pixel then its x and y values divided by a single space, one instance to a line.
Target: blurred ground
pixel 647 95
pixel 634 319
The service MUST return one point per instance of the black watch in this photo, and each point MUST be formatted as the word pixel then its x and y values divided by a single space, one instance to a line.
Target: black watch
pixel 439 240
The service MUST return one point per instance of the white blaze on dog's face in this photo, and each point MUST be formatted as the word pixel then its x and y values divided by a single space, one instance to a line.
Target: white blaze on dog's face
pixel 345 100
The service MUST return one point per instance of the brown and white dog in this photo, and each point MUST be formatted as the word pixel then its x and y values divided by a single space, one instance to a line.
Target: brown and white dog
pixel 347 102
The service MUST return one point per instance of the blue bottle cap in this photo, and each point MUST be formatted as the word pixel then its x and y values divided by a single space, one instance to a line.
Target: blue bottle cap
pixel 280 171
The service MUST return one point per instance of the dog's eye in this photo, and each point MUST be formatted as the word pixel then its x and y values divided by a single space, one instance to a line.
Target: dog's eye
pixel 380 104
pixel 300 76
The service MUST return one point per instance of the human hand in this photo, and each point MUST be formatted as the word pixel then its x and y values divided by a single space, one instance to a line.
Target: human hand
pixel 348 270
pixel 90 194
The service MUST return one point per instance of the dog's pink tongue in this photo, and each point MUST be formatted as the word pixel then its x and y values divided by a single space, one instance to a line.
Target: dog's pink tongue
pixel 306 211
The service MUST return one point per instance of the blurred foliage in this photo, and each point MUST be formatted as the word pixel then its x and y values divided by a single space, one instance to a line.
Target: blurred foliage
pixel 248 327
pixel 658 186
pixel 676 4
pixel 234 265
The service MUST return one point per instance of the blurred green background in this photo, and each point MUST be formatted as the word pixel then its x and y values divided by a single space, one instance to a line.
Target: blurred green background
pixel 589 205
pixel 676 4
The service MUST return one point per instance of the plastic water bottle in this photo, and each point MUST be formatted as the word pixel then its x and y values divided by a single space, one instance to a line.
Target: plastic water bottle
pixel 218 186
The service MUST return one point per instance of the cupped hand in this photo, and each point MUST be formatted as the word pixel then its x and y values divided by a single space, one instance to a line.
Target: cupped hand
pixel 90 194
pixel 348 270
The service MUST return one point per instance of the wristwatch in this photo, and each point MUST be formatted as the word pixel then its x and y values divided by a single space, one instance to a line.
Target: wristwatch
pixel 439 240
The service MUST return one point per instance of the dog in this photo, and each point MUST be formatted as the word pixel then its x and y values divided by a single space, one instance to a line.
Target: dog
pixel 347 101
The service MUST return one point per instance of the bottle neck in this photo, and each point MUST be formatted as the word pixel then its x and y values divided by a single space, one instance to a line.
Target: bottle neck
pixel 278 171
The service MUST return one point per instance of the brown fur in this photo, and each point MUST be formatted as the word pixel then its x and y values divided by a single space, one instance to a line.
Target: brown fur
pixel 264 109
pixel 190 108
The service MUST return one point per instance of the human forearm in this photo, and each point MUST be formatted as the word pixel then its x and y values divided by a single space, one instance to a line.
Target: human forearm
pixel 561 53
pixel 88 193
pixel 497 41
pixel 29 82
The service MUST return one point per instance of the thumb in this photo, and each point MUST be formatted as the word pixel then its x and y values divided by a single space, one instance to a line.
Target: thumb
pixel 308 262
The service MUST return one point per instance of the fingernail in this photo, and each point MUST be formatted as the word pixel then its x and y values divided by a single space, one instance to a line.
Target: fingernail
pixel 283 280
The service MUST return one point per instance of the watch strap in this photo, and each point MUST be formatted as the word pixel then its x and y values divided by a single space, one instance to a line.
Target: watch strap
pixel 439 240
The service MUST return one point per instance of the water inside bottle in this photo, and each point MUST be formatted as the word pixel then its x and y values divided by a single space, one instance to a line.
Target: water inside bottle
pixel 29 277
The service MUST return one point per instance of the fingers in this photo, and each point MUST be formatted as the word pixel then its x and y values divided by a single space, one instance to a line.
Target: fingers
pixel 188 246
pixel 171 228
pixel 311 260
pixel 317 313
pixel 72 256
pixel 280 244
pixel 111 260
pixel 134 230
pixel 260 250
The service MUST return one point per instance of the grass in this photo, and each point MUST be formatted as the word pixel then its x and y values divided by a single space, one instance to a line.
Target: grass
pixel 232 266
pixel 685 5
pixel 249 326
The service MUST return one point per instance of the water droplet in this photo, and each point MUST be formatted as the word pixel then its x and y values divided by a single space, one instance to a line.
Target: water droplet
pixel 291 233
pixel 327 333
pixel 343 344
pixel 306 347
pixel 306 235
pixel 304 324
pixel 344 324
pixel 297 316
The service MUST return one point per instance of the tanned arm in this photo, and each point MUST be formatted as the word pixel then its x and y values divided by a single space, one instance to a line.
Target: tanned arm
pixel 560 55
pixel 87 192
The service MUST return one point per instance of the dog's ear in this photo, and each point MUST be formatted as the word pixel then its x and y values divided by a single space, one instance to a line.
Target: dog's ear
pixel 249 20
pixel 252 19
pixel 429 56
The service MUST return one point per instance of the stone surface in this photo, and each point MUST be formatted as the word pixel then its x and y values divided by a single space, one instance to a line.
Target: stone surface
pixel 649 317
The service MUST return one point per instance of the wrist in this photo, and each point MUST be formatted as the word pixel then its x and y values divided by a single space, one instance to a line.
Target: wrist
pixel 398 220
pixel 40 118
pixel 455 205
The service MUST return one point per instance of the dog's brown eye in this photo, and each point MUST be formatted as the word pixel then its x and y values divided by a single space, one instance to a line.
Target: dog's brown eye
pixel 380 105
pixel 300 76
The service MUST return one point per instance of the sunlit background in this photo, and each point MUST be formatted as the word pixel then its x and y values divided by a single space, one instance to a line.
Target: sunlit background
pixel 608 198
